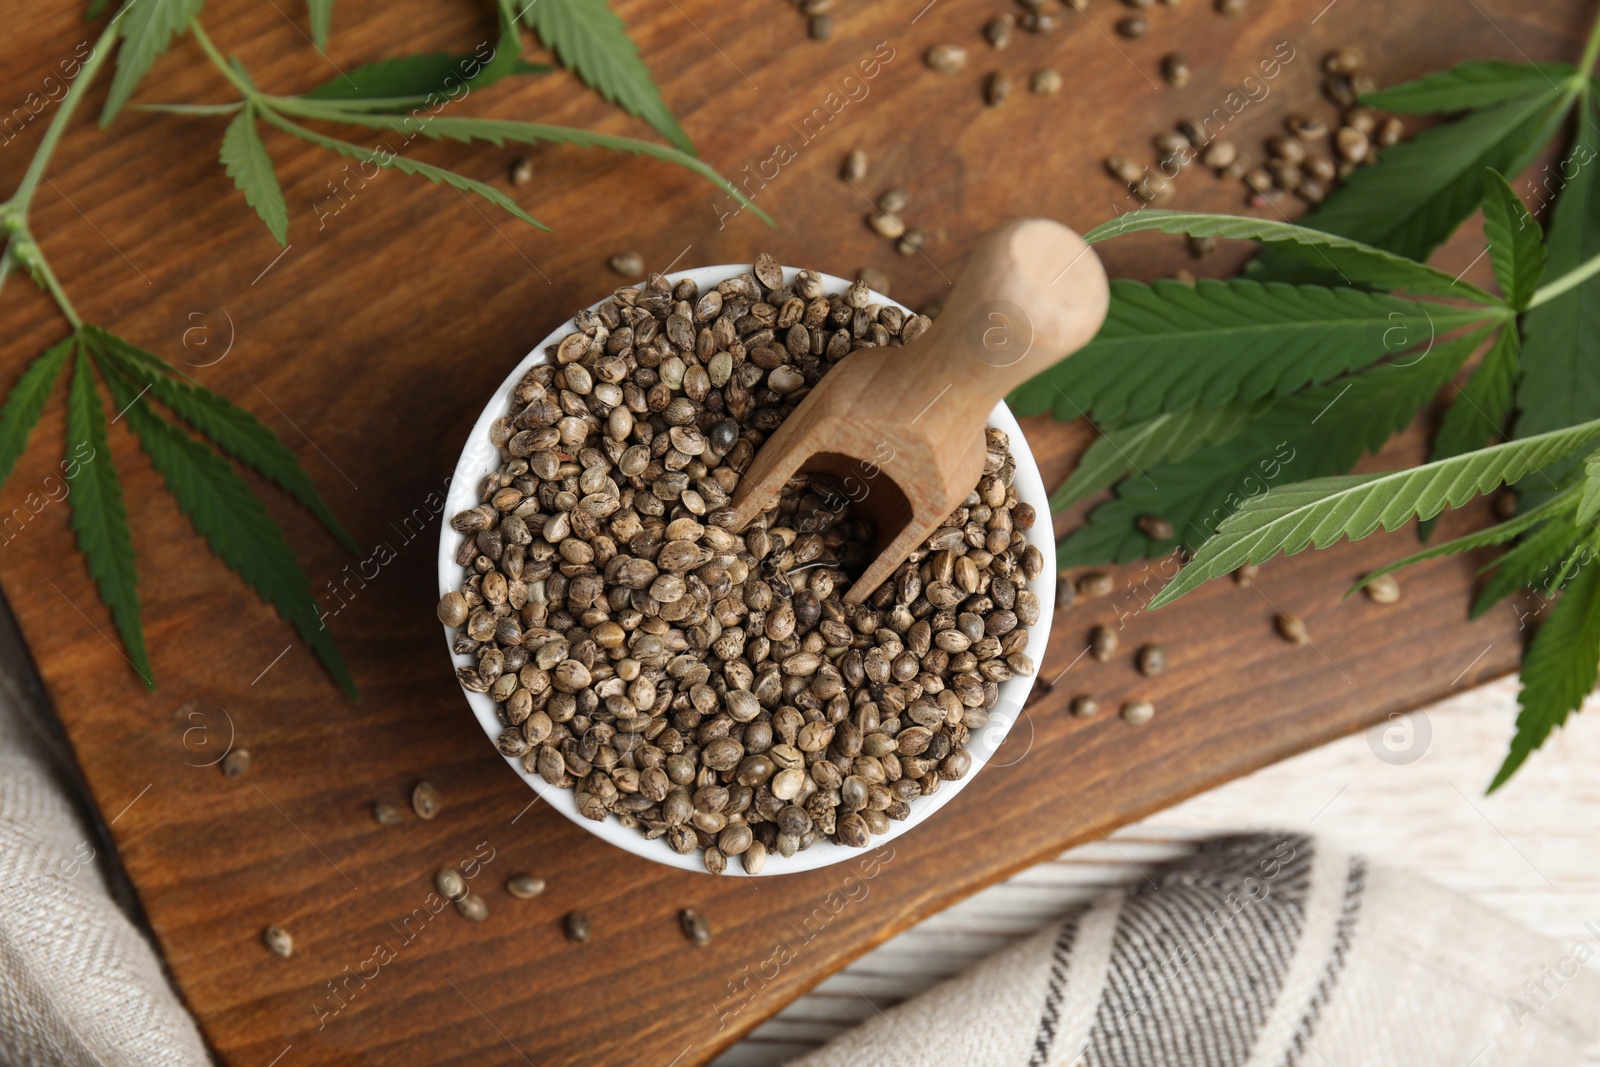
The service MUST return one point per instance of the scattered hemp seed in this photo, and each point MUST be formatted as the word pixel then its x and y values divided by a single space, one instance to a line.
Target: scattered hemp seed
pixel 1066 593
pixel 997 31
pixel 277 939
pixel 1292 629
pixel 1220 155
pixel 997 88
pixel 1154 526
pixel 886 225
pixel 627 264
pixel 1095 584
pixel 1154 189
pixel 449 883
pixel 524 886
pixel 1175 69
pixel 1124 169
pixel 893 201
pixel 695 926
pixel 854 167
pixel 946 58
pixel 1347 61
pixel 1306 127
pixel 1138 712
pixel 236 762
pixel 874 279
pixel 1384 589
pixel 425 800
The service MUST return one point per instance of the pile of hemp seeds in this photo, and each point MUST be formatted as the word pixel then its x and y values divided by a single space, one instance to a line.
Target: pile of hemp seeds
pixel 711 687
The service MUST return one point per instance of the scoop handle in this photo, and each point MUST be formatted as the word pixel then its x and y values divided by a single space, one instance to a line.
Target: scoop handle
pixel 1032 293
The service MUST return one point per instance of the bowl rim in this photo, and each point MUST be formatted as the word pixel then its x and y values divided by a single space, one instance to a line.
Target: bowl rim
pixel 480 458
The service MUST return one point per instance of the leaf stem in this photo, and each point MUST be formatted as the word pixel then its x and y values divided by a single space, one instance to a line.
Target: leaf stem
pixel 21 249
pixel 246 90
pixel 23 197
pixel 498 131
pixel 1570 280
pixel 1591 50
pixel 192 109
pixel 41 266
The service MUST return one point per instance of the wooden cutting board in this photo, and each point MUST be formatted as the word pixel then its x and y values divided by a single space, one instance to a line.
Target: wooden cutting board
pixel 373 341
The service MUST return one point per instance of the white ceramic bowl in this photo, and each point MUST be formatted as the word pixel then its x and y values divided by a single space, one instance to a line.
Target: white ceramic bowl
pixel 481 458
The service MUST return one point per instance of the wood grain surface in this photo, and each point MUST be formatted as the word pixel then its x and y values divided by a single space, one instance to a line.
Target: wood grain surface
pixel 371 345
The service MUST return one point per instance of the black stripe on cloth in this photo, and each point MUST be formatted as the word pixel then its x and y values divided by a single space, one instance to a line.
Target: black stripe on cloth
pixel 1199 955
pixel 1051 1017
pixel 1355 885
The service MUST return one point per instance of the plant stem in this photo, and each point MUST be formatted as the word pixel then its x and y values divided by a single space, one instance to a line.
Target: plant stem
pixel 23 197
pixel 53 286
pixel 1570 280
pixel 246 90
pixel 22 250
pixel 1591 50
pixel 192 109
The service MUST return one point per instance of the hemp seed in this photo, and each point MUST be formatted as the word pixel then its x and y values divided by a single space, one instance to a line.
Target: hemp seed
pixel 449 883
pixel 1384 589
pixel 236 762
pixel 524 886
pixel 1103 643
pixel 278 941
pixel 1138 712
pixel 695 926
pixel 1095 584
pixel 425 800
pixel 1292 629
pixel 627 264
pixel 946 58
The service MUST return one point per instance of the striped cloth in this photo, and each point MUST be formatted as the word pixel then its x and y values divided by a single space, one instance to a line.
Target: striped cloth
pixel 79 984
pixel 1261 950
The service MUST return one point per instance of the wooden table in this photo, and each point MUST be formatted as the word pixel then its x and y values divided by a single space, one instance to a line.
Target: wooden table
pixel 371 345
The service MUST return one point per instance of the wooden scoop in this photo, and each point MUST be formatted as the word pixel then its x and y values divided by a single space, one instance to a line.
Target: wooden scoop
pixel 903 428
